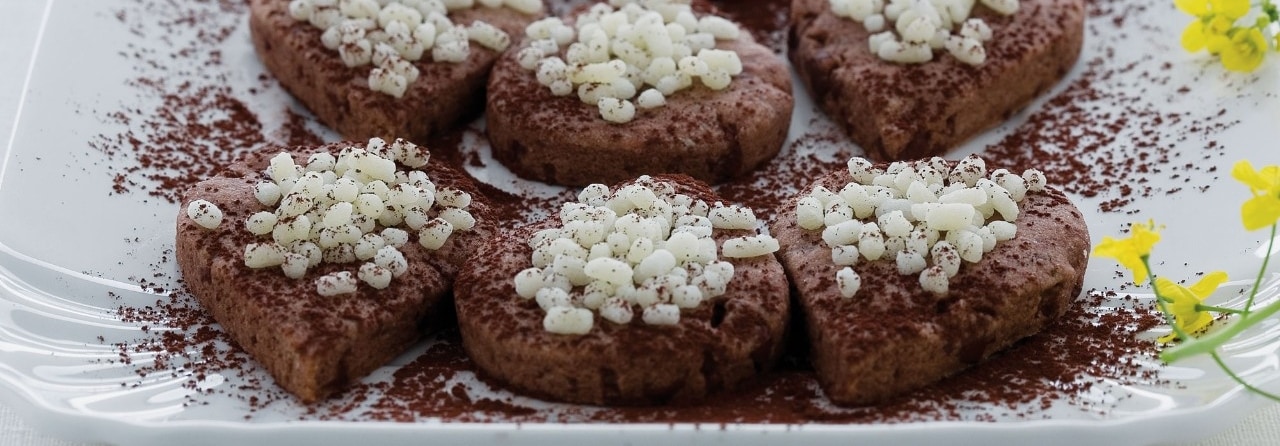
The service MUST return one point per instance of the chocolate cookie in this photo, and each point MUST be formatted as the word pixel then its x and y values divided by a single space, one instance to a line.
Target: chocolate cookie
pixel 717 345
pixel 900 111
pixel 444 95
pixel 707 134
pixel 314 344
pixel 894 336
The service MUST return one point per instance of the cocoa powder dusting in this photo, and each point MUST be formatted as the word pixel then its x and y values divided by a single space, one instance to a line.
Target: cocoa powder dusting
pixel 1106 134
pixel 201 124
pixel 1056 365
pixel 195 123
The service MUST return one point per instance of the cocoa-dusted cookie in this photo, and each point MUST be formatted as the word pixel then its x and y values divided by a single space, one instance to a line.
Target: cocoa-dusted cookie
pixel 365 287
pixel 433 94
pixel 900 111
pixel 648 319
pixel 712 134
pixel 880 328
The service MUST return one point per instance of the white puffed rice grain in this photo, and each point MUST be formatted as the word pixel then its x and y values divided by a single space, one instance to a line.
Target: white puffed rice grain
pixel 204 213
pixel 459 218
pixel 375 276
pixel 848 282
pixel 609 270
pixel 871 242
pixel 945 256
pixel 1035 180
pixel 260 223
pixel 910 262
pixel 263 255
pixel 435 233
pixel 392 259
pixel 568 320
pixel 732 217
pixel 368 246
pixel 935 280
pixel 333 284
pixel 657 263
pixel 651 98
pixel 661 314
pixel 1003 230
pixel 686 296
pixel 749 246
pixel 845 255
pixel 616 310
pixel 488 36
pixel 616 110
pixel 844 233
pixel 549 298
pixel 267 193
pixel 527 282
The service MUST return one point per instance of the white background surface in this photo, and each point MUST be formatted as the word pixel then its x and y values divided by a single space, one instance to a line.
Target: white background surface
pixel 19 29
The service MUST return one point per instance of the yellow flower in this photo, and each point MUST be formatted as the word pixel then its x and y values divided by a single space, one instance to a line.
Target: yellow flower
pixel 1245 50
pixel 1209 32
pixel 1232 9
pixel 1214 19
pixel 1131 252
pixel 1183 302
pixel 1264 208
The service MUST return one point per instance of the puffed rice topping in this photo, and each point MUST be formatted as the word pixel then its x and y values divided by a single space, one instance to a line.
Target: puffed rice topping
pixel 392 35
pixel 330 210
pixel 917 28
pixel 642 249
pixel 926 216
pixel 626 54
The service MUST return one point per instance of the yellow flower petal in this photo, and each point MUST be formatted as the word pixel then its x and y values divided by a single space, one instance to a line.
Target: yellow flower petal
pixel 1193 37
pixel 1264 208
pixel 1244 172
pixel 1218 25
pixel 1130 252
pixel 1245 51
pixel 1271 175
pixel 1194 7
pixel 1209 283
pixel 1260 211
pixel 1216 42
pixel 1233 9
pixel 1144 237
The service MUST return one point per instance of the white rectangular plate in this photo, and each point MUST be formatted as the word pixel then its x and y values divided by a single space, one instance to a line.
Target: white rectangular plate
pixel 77 241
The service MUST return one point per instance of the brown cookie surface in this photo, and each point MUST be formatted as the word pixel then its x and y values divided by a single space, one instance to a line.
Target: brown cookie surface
pixel 907 111
pixel 313 345
pixel 893 336
pixel 710 135
pixel 444 96
pixel 718 345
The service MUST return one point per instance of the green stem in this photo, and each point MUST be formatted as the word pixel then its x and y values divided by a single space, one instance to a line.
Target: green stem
pixel 1257 281
pixel 1241 381
pixel 1211 341
pixel 1217 309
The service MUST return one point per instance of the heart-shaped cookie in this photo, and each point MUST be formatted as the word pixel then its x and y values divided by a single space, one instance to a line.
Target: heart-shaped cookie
pixel 897 332
pixel 899 111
